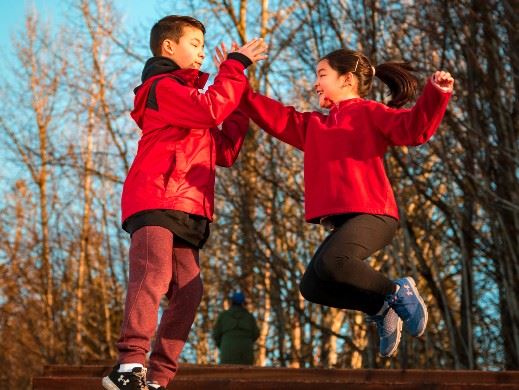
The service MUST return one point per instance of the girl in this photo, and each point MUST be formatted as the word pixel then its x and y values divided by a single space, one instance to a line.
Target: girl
pixel 346 187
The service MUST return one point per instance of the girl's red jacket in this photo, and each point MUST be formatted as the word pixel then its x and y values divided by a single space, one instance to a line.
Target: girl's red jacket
pixel 174 168
pixel 344 150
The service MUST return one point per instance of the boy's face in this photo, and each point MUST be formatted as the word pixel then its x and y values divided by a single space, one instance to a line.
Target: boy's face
pixel 188 52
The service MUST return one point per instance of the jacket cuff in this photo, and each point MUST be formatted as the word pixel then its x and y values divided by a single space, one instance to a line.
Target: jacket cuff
pixel 245 61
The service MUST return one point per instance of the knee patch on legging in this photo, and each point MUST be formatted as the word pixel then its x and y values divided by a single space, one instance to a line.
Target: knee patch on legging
pixel 338 259
pixel 328 268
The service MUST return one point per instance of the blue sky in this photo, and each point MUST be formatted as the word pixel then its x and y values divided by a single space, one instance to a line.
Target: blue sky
pixel 12 14
pixel 138 14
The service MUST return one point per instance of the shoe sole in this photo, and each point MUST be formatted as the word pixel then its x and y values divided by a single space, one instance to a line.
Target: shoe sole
pixel 398 337
pixel 422 304
pixel 108 384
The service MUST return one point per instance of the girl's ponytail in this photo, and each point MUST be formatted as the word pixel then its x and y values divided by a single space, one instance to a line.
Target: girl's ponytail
pixel 401 82
pixel 396 75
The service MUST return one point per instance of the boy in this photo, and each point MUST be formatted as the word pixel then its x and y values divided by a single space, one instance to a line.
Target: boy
pixel 168 196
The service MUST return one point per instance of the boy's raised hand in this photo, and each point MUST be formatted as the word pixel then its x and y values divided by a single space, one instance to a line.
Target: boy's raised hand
pixel 443 81
pixel 255 49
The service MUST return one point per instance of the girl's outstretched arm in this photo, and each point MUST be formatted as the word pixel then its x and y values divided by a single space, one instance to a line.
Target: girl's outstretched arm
pixel 280 121
pixel 284 123
pixel 415 126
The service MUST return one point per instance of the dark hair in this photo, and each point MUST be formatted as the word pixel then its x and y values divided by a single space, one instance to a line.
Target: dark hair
pixel 170 27
pixel 396 75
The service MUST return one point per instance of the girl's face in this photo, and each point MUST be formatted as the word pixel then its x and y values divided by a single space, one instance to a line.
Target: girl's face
pixel 329 85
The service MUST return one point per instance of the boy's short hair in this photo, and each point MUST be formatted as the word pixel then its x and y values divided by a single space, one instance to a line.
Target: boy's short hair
pixel 170 27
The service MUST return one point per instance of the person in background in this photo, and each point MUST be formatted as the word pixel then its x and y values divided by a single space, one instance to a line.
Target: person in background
pixel 235 333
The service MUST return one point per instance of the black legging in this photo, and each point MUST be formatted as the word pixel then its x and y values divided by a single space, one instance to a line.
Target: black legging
pixel 338 276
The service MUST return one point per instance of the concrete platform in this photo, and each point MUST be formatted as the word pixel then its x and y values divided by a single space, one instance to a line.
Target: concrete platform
pixel 209 377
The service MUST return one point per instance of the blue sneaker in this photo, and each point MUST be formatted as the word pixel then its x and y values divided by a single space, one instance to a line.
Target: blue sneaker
pixel 389 326
pixel 409 306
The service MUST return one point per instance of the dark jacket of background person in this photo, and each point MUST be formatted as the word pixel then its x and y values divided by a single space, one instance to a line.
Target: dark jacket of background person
pixel 235 333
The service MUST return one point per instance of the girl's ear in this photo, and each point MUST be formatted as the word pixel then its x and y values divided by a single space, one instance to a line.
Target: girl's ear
pixel 346 80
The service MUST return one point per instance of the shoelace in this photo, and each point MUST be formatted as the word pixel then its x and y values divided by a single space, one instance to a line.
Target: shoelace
pixel 391 298
pixel 379 320
pixel 403 308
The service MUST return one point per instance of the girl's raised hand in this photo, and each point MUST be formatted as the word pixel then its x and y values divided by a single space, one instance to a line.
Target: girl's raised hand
pixel 220 55
pixel 443 81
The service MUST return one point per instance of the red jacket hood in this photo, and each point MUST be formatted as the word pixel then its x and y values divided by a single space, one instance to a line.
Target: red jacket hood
pixel 180 145
pixel 159 67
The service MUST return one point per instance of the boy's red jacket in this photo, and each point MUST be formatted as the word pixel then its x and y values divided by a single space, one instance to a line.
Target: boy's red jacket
pixel 175 163
pixel 344 150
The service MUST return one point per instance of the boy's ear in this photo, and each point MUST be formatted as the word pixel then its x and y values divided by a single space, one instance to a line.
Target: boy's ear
pixel 167 47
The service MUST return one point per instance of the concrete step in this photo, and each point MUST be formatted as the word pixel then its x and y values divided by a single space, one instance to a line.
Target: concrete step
pixel 58 383
pixel 195 377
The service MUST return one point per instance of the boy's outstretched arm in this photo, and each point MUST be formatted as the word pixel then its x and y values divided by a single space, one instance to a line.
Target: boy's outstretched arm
pixel 284 123
pixel 229 140
pixel 186 106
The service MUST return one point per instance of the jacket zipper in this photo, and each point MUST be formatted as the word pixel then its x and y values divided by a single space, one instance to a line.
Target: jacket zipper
pixel 335 114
